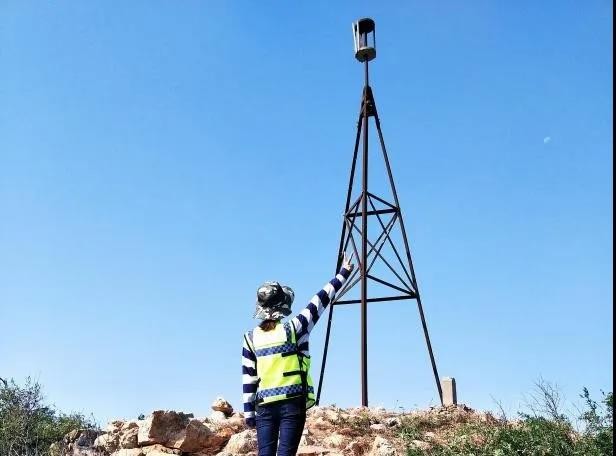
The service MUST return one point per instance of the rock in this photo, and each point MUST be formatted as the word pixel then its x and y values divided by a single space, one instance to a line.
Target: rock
pixel 420 445
pixel 129 425
pixel 191 439
pixel 306 438
pixel 79 442
pixel 221 405
pixel 158 450
pixel 382 447
pixel 129 437
pixel 128 452
pixel 312 451
pixel 217 416
pixel 335 440
pixel 162 427
pixel 241 443
pixel 393 422
pixel 107 442
pixel 355 448
pixel 114 426
pixel 319 423
pixel 379 427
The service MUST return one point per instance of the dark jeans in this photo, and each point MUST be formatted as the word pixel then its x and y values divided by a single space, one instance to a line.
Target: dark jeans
pixel 284 420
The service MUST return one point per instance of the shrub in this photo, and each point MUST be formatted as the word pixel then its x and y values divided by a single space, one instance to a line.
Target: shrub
pixel 545 431
pixel 27 425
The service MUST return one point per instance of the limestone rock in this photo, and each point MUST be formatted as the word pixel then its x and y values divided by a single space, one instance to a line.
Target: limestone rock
pixel 221 405
pixel 306 438
pixel 114 426
pixel 158 450
pixel 382 447
pixel 241 443
pixel 79 442
pixel 336 440
pixel 129 437
pixel 162 427
pixel 108 443
pixel 129 425
pixel 128 452
pixel 191 439
pixel 217 416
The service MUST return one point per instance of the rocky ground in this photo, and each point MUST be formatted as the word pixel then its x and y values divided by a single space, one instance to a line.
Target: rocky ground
pixel 329 431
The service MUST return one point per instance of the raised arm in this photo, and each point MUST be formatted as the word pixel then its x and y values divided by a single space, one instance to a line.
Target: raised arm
pixel 307 318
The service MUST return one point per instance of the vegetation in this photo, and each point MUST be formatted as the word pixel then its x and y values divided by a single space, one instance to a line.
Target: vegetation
pixel 541 431
pixel 28 426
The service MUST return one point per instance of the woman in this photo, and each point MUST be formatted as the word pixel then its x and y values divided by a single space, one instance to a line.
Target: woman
pixel 276 364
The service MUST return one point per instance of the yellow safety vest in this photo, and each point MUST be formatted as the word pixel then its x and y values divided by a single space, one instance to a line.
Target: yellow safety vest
pixel 283 371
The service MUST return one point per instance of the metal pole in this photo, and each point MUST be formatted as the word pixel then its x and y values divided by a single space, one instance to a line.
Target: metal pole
pixel 364 252
pixel 410 260
pixel 341 249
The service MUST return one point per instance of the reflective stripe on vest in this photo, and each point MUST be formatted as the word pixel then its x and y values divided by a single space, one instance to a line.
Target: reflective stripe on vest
pixel 283 371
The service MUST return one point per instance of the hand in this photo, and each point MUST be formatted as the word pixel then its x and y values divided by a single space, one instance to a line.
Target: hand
pixel 347 262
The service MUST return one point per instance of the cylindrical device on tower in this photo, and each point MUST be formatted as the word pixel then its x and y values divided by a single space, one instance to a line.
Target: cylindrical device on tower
pixel 364 39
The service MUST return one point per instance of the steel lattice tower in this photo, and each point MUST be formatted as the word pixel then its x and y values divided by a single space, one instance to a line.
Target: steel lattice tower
pixel 355 226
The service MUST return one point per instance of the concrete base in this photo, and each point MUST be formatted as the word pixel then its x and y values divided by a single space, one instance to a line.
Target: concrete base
pixel 450 395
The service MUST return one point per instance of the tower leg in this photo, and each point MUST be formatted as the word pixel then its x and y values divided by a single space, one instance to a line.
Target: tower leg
pixel 364 253
pixel 340 252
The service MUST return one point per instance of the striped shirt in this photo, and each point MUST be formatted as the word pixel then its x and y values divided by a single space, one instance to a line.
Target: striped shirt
pixel 303 324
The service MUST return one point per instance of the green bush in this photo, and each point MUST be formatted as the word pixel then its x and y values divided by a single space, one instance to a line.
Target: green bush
pixel 27 425
pixel 532 435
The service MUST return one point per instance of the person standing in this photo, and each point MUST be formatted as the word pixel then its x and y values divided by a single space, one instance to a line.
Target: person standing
pixel 277 387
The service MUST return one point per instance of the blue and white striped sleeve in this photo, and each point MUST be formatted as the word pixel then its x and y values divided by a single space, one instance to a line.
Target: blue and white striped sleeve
pixel 307 318
pixel 249 382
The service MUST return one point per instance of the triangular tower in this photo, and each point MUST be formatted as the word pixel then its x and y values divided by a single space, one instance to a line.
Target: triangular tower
pixel 373 229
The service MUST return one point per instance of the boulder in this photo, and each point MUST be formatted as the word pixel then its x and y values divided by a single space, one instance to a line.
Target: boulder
pixel 241 443
pixel 107 443
pixel 128 437
pixel 162 427
pixel 221 405
pixel 193 438
pixel 79 442
pixel 129 425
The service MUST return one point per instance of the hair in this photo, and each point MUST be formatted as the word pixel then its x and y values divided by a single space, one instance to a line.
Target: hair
pixel 268 325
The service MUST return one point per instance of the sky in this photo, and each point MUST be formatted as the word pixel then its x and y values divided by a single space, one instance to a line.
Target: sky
pixel 160 160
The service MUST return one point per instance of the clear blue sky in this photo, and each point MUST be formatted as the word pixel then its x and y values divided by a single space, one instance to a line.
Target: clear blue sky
pixel 159 160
